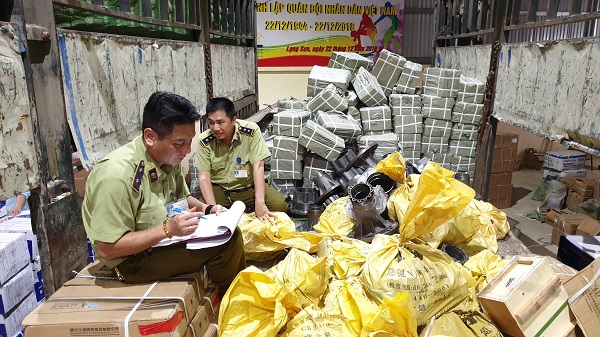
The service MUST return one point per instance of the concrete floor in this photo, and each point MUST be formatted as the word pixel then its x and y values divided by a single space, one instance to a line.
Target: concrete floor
pixel 535 235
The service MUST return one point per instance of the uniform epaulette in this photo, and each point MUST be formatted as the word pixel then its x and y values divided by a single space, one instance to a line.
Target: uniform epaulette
pixel 153 174
pixel 247 131
pixel 136 182
pixel 208 139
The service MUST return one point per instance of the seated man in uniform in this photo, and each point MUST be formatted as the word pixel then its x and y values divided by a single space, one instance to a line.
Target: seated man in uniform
pixel 230 161
pixel 124 211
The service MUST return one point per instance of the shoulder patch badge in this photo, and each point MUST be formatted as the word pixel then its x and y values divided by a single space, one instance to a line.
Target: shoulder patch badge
pixel 153 174
pixel 136 182
pixel 208 139
pixel 247 131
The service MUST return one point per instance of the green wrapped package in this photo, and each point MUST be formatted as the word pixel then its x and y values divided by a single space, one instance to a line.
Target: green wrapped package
pixel 409 79
pixel 406 124
pixel 388 143
pixel 349 61
pixel 368 89
pixel 437 107
pixel 463 148
pixel 467 113
pixel 376 118
pixel 291 104
pixel 289 122
pixel 463 164
pixel 286 169
pixel 339 123
pixel 329 99
pixel 321 141
pixel 470 90
pixel 411 156
pixel 320 77
pixel 315 165
pixel 285 147
pixel 441 82
pixel 351 98
pixel 462 131
pixel 437 128
pixel 409 142
pixel 405 104
pixel 444 159
pixel 387 70
pixel 435 145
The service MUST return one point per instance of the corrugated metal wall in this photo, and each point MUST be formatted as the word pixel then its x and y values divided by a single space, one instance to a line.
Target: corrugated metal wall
pixel 234 71
pixel 418 30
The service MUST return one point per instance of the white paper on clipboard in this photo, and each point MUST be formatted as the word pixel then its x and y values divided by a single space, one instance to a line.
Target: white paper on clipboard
pixel 213 230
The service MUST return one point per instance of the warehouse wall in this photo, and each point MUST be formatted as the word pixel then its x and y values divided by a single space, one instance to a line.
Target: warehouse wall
pixel 548 89
pixel 275 83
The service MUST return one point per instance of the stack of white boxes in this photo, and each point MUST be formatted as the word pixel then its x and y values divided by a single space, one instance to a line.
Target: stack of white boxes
pixel 21 286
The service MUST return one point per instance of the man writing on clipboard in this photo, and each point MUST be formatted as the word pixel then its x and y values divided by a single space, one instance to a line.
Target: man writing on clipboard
pixel 124 210
pixel 230 161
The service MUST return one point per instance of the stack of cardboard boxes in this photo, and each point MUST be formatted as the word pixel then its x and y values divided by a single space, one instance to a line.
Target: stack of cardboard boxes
pixel 579 190
pixel 571 224
pixel 17 294
pixel 558 164
pixel 505 162
pixel 96 303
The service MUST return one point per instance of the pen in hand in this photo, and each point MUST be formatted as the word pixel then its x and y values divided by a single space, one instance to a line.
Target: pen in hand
pixel 179 210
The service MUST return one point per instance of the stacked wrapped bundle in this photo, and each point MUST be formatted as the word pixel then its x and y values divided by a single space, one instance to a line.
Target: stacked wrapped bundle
pixel 437 107
pixel 409 145
pixel 313 166
pixel 321 77
pixel 432 145
pixel 349 61
pixel 408 124
pixel 441 82
pixel 463 148
pixel 467 113
pixel 387 70
pixel 462 131
pixel 443 159
pixel 464 164
pixel 285 186
pixel 405 104
pixel 289 122
pixel 437 128
pixel 291 104
pixel 329 99
pixel 351 98
pixel 285 147
pixel 377 118
pixel 286 169
pixel 339 123
pixel 354 113
pixel 408 81
pixel 321 141
pixel 388 143
pixel 368 89
pixel 470 90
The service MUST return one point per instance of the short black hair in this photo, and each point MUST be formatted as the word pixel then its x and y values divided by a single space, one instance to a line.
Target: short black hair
pixel 221 103
pixel 164 110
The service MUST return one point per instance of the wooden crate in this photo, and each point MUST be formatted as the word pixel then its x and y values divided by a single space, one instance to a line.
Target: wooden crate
pixel 526 299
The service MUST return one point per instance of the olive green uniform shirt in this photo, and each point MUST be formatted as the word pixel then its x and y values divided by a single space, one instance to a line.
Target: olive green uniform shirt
pixel 247 148
pixel 122 197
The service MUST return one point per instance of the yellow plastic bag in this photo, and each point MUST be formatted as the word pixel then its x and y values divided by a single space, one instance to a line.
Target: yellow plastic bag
pixel 438 198
pixel 393 166
pixel 263 240
pixel 395 317
pixel 251 306
pixel 346 256
pixel 304 278
pixel 448 324
pixel 433 280
pixel 400 199
pixel 334 219
pixel 484 266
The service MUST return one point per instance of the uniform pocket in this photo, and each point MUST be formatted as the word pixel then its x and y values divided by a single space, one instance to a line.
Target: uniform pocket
pixel 149 216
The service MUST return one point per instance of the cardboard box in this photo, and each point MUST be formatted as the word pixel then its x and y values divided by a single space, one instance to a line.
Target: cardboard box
pixel 10 324
pixel 564 160
pixel 565 224
pixel 574 199
pixel 14 254
pixel 526 299
pixel 500 202
pixel 551 216
pixel 569 181
pixel 588 226
pixel 208 312
pixel 578 251
pixel 86 304
pixel 584 297
pixel 584 187
pixel 22 224
pixel 597 190
pixel 80 180
pixel 16 289
pixel 554 174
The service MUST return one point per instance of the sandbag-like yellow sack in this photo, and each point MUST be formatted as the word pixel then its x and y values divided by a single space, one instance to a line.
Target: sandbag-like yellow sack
pixel 448 324
pixel 392 166
pixel 304 278
pixel 433 280
pixel 438 198
pixel 251 306
pixel 346 256
pixel 484 266
pixel 262 239
pixel 334 219
pixel 395 317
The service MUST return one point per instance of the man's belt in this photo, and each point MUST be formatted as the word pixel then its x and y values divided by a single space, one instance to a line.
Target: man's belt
pixel 237 190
